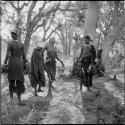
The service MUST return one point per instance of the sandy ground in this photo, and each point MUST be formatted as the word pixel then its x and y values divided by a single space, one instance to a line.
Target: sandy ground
pixel 67 105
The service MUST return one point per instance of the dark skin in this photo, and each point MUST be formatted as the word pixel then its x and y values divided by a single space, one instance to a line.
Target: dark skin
pixel 14 37
pixel 50 48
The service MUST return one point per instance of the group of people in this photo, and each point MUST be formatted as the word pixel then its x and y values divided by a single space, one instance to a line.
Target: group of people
pixel 16 61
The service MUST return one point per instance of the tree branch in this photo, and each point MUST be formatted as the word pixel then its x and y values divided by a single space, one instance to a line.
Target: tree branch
pixel 38 15
pixel 51 21
pixel 24 4
pixel 12 4
pixel 37 18
pixel 51 33
pixel 58 34
pixel 30 13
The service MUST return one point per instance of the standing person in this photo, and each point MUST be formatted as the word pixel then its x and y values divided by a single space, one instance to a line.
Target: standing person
pixel 16 64
pixel 50 62
pixel 87 57
pixel 37 75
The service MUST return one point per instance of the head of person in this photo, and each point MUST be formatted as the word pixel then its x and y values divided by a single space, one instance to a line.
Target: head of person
pixel 52 40
pixel 14 34
pixel 87 40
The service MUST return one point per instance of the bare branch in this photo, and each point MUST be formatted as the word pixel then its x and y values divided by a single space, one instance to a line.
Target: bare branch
pixel 41 25
pixel 52 33
pixel 58 34
pixel 38 17
pixel 12 4
pixel 24 4
pixel 51 21
pixel 39 13
pixel 30 12
pixel 69 9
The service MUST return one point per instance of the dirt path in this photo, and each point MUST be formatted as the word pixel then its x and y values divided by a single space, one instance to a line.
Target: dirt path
pixel 67 105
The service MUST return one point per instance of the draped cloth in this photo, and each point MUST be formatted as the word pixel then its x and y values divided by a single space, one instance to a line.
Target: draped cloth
pixel 16 60
pixel 50 67
pixel 37 75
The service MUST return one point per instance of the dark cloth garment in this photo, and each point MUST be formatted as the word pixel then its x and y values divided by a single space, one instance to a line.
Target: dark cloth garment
pixel 16 86
pixel 86 61
pixel 37 75
pixel 16 58
pixel 93 53
pixel 50 67
pixel 77 69
pixel 51 54
pixel 86 78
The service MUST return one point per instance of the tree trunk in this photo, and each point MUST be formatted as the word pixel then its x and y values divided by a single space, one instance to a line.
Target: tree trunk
pixel 19 21
pixel 110 39
pixel 27 41
pixel 91 20
pixel 70 36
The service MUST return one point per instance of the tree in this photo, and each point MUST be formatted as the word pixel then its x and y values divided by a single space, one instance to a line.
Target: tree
pixel 112 24
pixel 36 20
pixel 92 17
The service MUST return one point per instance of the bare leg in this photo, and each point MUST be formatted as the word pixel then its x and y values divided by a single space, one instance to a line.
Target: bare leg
pixel 11 87
pixel 11 97
pixel 49 90
pixel 19 98
pixel 80 85
pixel 35 91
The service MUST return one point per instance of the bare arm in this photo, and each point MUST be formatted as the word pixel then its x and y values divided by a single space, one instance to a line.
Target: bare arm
pixel 7 54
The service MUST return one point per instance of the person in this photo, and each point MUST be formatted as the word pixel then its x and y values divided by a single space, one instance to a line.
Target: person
pixel 50 62
pixel 16 61
pixel 37 75
pixel 87 57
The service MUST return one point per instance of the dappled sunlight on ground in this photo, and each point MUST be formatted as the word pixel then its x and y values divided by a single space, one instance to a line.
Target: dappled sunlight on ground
pixel 67 105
